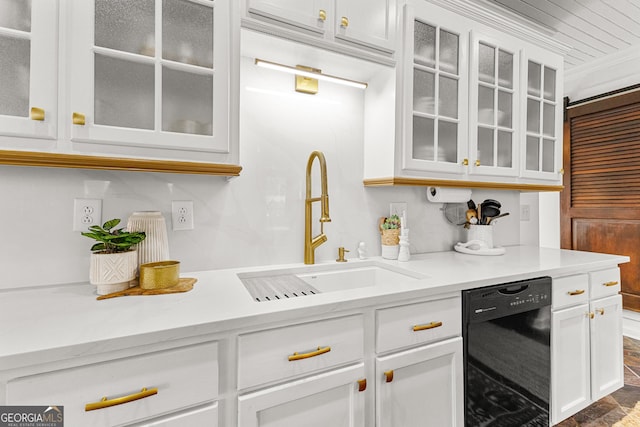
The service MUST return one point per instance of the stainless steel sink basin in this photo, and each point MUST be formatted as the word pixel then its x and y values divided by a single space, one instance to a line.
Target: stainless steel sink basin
pixel 270 285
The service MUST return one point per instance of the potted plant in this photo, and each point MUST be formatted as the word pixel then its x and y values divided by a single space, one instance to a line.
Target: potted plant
pixel 390 231
pixel 114 259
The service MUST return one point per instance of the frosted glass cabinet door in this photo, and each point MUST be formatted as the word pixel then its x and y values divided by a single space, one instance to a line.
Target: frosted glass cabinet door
pixel 152 73
pixel 493 148
pixel 542 121
pixel 435 85
pixel 28 68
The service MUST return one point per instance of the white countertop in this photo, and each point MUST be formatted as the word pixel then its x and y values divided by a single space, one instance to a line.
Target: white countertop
pixel 59 322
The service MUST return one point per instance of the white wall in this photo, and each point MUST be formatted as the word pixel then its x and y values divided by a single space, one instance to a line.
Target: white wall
pixel 255 219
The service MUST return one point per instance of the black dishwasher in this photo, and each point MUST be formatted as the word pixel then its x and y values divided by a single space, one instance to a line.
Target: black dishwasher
pixel 507 358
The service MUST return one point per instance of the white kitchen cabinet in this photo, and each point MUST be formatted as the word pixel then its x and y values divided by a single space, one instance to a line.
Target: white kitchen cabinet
pixel 421 386
pixel 493 106
pixel 462 102
pixel 369 24
pixel 151 75
pixel 334 398
pixel 586 344
pixel 434 85
pixel 181 378
pixel 28 68
pixel 541 117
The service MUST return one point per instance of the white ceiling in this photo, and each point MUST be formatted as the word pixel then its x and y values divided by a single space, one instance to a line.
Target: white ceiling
pixel 592 28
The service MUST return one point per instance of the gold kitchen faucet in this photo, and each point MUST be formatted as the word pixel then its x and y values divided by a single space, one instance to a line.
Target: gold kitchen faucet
pixel 310 242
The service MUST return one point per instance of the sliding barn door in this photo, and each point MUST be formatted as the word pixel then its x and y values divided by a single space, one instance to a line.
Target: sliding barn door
pixel 600 205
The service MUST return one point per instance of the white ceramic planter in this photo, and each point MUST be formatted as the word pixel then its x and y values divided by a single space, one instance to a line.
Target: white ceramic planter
pixel 112 272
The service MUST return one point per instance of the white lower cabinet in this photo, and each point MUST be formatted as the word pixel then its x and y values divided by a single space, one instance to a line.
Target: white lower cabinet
pixel 586 341
pixel 335 398
pixel 129 390
pixel 421 386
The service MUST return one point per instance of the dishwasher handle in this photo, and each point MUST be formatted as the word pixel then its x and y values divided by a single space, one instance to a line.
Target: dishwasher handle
pixel 513 290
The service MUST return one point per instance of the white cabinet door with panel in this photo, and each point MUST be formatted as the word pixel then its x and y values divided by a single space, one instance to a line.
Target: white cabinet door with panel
pixel 29 68
pixel 367 22
pixel 307 15
pixel 542 108
pixel 493 106
pixel 434 85
pixel 335 398
pixel 421 387
pixel 571 362
pixel 151 74
pixel 607 367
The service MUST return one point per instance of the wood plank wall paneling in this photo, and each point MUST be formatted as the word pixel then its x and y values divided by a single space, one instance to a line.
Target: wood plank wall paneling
pixel 605 158
pixel 600 206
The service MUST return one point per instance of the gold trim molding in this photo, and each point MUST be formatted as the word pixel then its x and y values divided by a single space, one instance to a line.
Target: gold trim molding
pixel 79 161
pixel 398 181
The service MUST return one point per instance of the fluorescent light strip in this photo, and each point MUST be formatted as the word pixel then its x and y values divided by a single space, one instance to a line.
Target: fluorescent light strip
pixel 310 74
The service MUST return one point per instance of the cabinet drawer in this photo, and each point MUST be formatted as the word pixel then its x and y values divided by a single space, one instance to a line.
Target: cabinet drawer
pixel 604 283
pixel 280 353
pixel 415 324
pixel 183 377
pixel 570 290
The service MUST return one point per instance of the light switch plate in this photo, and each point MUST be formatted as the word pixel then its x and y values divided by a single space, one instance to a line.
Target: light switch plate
pixel 396 208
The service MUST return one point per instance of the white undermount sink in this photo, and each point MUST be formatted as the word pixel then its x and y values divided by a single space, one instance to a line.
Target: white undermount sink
pixel 277 284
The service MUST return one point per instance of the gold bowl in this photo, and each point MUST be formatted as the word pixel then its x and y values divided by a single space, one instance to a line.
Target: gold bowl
pixel 159 275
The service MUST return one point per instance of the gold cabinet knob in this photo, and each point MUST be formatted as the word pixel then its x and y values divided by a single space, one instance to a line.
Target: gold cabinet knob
pixel 388 376
pixel 477 162
pixel 362 385
pixel 322 15
pixel 344 22
pixel 36 114
pixel 465 162
pixel 601 311
pixel 78 119
pixel 561 171
pixel 591 315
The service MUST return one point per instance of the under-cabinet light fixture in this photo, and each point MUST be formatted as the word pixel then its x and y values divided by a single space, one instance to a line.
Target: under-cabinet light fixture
pixel 307 77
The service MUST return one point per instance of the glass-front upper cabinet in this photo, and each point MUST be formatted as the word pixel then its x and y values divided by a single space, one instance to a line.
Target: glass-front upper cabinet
pixel 151 73
pixel 435 87
pixel 542 157
pixel 28 68
pixel 493 140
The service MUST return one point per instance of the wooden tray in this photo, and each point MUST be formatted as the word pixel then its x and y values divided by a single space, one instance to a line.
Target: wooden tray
pixel 184 285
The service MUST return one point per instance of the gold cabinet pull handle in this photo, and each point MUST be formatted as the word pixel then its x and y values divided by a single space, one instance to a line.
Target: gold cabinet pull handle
pixel 105 403
pixel 344 22
pixel 36 114
pixel 322 15
pixel 465 162
pixel 78 119
pixel 388 376
pixel 610 283
pixel 477 162
pixel 431 325
pixel 318 352
pixel 362 385
pixel 600 310
pixel 576 292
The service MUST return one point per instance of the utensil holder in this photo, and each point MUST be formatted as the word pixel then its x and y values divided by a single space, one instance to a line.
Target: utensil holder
pixel 481 232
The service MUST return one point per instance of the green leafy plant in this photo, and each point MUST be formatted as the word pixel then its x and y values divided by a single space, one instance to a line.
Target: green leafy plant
pixel 112 240
pixel 391 223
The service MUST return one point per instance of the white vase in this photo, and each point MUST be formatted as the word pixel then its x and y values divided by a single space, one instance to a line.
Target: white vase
pixel 155 246
pixel 112 272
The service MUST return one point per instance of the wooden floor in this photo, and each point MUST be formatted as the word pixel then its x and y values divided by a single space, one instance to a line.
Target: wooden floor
pixel 613 408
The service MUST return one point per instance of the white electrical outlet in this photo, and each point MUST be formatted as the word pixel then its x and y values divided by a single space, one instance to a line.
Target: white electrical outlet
pixel 525 213
pixel 396 208
pixel 86 212
pixel 182 215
